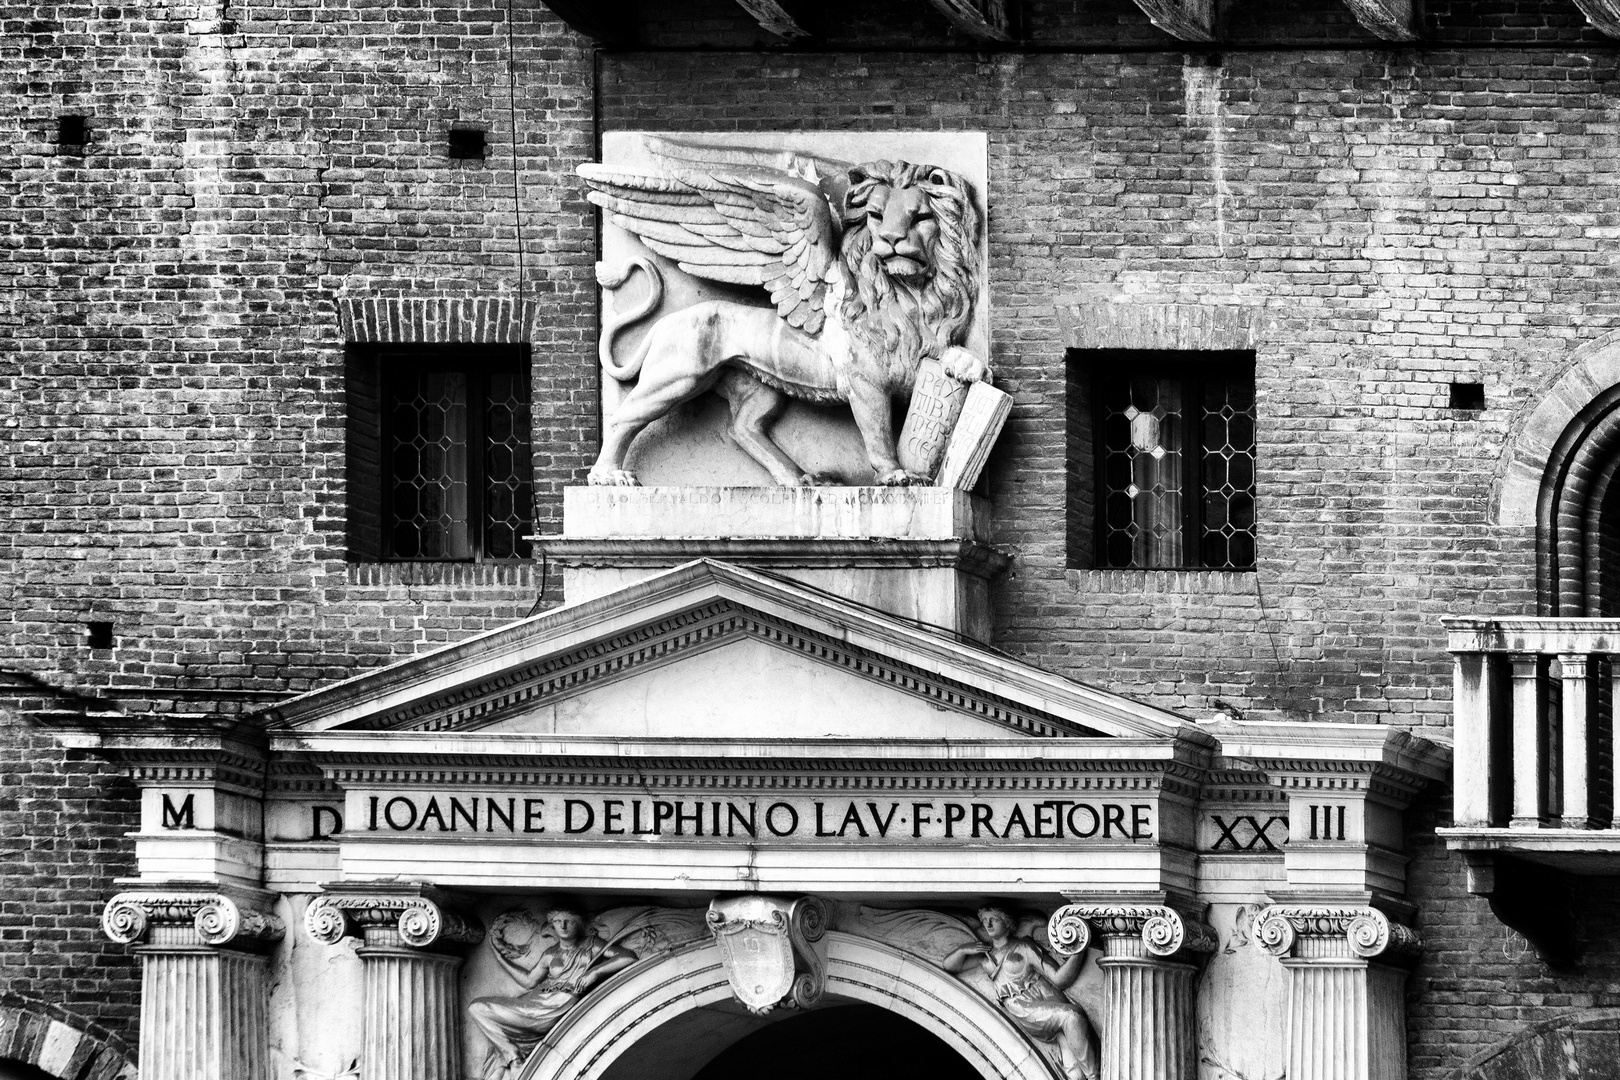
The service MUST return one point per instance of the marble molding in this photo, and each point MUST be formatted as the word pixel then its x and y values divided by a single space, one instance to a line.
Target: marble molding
pixel 411 937
pixel 1149 957
pixel 204 1005
pixel 1346 1004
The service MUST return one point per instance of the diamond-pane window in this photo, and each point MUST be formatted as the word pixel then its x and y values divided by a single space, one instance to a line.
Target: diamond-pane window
pixel 1173 460
pixel 439 461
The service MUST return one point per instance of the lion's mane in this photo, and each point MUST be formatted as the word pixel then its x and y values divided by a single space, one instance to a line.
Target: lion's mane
pixel 894 319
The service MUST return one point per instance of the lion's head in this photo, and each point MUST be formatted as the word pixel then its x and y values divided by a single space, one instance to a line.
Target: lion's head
pixel 911 250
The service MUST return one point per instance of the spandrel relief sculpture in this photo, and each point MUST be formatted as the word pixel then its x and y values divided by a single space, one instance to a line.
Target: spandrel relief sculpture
pixel 1002 956
pixel 819 280
pixel 556 959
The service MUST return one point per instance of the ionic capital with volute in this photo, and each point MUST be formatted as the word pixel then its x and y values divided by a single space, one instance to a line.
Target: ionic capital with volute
pixel 390 915
pixel 181 917
pixel 1333 931
pixel 1150 931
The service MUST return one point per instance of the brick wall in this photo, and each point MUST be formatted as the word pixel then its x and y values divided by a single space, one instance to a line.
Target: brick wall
pixel 170 385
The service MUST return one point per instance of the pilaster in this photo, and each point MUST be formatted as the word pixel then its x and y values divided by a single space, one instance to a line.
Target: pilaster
pixel 1346 1006
pixel 1150 955
pixel 410 934
pixel 204 1003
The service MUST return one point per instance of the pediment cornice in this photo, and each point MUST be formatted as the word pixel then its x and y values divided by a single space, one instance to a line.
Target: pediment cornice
pixel 698 607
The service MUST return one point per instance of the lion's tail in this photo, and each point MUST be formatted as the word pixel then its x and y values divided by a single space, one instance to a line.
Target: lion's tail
pixel 611 279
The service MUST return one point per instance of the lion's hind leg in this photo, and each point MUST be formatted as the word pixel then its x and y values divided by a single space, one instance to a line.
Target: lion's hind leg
pixel 681 363
pixel 754 408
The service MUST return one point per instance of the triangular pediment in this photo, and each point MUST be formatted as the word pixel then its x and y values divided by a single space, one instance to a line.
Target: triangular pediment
pixel 711 650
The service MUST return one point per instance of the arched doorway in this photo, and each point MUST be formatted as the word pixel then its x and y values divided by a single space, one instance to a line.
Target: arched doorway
pixel 670 1017
pixel 848 1040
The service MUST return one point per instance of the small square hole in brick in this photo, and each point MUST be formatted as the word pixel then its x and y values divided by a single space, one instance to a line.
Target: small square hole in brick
pixel 467 144
pixel 1468 395
pixel 72 132
pixel 101 635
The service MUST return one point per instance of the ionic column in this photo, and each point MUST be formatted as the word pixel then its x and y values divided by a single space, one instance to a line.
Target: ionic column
pixel 1346 1010
pixel 203 996
pixel 409 958
pixel 1150 955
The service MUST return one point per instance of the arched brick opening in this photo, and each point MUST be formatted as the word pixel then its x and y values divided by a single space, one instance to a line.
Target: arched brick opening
pixel 1584 1044
pixel 666 994
pixel 1559 477
pixel 34 1043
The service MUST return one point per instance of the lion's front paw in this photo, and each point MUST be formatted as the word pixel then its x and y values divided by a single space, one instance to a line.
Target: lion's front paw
pixel 901 478
pixel 964 366
pixel 612 478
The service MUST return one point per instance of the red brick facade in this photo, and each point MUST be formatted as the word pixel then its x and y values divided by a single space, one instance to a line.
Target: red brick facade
pixel 261 185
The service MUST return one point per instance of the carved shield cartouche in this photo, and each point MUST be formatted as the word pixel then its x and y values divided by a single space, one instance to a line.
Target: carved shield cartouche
pixel 752 935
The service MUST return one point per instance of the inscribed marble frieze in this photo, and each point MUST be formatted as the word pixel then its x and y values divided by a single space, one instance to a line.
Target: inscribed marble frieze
pixel 595 816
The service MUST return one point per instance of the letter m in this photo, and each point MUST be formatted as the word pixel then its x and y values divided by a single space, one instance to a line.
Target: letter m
pixel 183 816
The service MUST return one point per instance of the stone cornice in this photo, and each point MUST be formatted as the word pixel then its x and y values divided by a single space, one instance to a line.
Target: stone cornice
pixel 1333 931
pixel 387 914
pixel 1130 931
pixel 181 917
pixel 967 555
pixel 507 759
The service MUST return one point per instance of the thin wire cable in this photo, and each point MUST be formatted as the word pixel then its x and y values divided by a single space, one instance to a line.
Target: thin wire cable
pixel 517 193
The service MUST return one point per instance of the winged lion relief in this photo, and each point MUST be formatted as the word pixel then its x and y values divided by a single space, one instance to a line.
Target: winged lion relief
pixel 869 268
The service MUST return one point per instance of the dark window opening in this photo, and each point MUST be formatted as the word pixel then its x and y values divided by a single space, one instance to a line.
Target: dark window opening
pixel 467 144
pixel 72 132
pixel 1467 395
pixel 100 634
pixel 1161 459
pixel 439 453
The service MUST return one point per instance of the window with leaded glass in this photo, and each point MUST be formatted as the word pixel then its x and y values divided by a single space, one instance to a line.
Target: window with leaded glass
pixel 439 459
pixel 1161 460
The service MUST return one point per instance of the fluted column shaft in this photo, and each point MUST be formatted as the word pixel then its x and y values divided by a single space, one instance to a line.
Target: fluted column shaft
pixel 409 1015
pixel 1346 1008
pixel 1149 1021
pixel 410 1012
pixel 204 1008
pixel 1345 1020
pixel 203 1014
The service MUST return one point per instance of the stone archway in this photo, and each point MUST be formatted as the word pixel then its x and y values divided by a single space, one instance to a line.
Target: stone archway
pixel 1574 1044
pixel 591 1039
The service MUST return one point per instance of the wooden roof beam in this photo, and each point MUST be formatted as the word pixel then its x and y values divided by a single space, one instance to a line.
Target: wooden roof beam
pixel 774 18
pixel 1603 14
pixel 986 20
pixel 1394 20
pixel 1184 20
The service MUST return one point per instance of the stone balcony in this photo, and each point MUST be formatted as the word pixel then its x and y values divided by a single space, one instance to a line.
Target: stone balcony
pixel 1535 763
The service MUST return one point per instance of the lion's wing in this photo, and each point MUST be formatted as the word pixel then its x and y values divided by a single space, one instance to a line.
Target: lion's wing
pixel 753 227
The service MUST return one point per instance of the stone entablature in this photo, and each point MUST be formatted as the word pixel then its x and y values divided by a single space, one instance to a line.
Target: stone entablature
pixel 846 778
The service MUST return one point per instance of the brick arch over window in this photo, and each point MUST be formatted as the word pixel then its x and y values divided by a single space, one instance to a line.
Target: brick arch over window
pixel 1574 1044
pixel 58 1046
pixel 427 320
pixel 1559 478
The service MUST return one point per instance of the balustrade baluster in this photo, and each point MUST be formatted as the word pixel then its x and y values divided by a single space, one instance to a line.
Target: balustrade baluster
pixel 1529 675
pixel 1472 702
pixel 1577 756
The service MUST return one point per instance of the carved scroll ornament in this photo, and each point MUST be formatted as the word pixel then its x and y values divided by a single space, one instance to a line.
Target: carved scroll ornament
pixel 870 270
pixel 1325 930
pixel 417 921
pixel 184 918
pixel 773 949
pixel 1129 929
